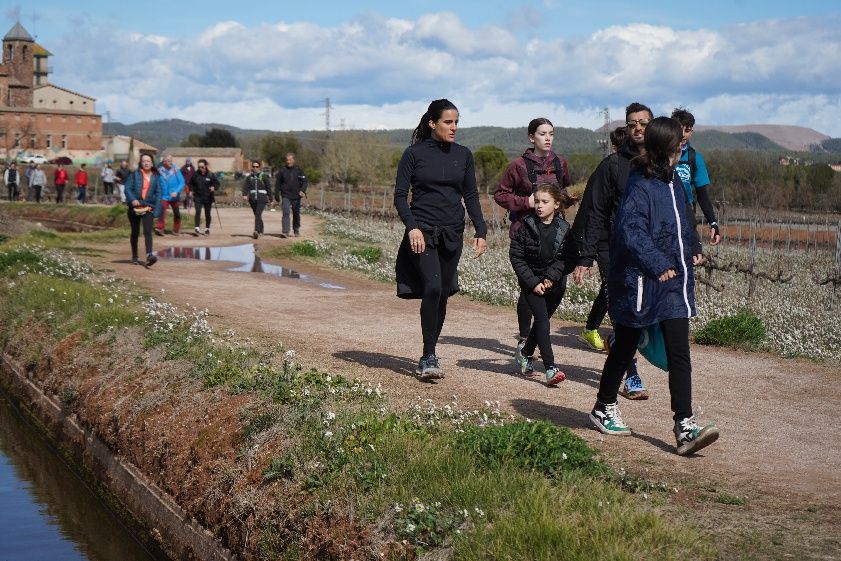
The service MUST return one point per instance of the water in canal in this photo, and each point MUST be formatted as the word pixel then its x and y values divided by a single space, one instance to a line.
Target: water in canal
pixel 46 511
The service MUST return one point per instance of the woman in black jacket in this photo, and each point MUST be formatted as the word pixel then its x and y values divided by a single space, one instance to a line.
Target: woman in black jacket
pixel 538 255
pixel 203 186
pixel 441 177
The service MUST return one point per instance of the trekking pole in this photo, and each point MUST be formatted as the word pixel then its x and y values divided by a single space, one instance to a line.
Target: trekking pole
pixel 218 217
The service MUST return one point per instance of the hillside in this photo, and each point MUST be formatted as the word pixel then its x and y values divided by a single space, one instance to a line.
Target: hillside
pixel 776 138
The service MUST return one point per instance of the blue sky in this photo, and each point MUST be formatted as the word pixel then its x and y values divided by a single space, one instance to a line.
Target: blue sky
pixel 271 64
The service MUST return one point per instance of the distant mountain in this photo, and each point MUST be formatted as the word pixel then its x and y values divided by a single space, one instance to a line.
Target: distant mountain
pixel 171 132
pixel 777 138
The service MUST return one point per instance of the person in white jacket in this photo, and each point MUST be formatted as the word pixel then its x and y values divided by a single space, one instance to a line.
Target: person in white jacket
pixel 11 179
pixel 37 181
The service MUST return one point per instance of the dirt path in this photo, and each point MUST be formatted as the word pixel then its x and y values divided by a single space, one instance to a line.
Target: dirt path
pixel 779 418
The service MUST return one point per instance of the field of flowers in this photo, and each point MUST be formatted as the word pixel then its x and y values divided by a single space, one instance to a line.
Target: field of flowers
pixel 798 314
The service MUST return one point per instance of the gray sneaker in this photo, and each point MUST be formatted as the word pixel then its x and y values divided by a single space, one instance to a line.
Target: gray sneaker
pixel 428 368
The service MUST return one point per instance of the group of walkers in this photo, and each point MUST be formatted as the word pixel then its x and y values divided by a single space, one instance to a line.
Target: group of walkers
pixel 149 191
pixel 635 220
pixel 35 179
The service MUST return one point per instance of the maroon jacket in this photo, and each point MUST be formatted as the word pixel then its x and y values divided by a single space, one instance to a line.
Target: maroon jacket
pixel 515 187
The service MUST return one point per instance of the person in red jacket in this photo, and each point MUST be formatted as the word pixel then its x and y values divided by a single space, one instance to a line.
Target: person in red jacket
pixel 515 193
pixel 82 184
pixel 60 178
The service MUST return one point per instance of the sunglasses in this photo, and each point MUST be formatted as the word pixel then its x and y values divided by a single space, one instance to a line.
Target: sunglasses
pixel 641 122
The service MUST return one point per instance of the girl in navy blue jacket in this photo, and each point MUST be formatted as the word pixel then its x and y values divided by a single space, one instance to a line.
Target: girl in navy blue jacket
pixel 539 259
pixel 654 250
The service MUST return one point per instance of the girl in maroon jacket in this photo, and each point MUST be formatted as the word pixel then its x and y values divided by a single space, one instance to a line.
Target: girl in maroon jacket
pixel 516 192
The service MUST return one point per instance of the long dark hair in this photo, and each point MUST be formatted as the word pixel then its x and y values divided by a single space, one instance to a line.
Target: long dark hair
pixel 153 169
pixel 534 123
pixel 662 140
pixel 433 113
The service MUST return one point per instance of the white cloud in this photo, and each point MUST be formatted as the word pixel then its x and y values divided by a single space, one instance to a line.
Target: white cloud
pixel 382 72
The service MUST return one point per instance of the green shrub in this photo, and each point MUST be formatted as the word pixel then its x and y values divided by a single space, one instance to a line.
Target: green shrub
pixel 743 330
pixel 368 254
pixel 537 445
pixel 305 249
pixel 279 468
pixel 11 259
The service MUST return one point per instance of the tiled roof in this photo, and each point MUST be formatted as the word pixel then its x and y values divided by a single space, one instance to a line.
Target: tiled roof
pixel 18 33
pixel 38 50
pixel 198 151
pixel 64 90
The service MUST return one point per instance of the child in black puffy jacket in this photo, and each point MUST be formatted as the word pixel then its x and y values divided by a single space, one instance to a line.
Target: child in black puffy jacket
pixel 538 255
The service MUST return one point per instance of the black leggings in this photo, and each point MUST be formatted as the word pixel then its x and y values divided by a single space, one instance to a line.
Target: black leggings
pixel 676 337
pixel 206 205
pixel 257 208
pixel 599 307
pixel 543 307
pixel 437 269
pixel 59 193
pixel 148 225
pixel 523 316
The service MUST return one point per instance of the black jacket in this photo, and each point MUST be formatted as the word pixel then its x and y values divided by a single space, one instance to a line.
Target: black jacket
pixel 289 183
pixel 257 187
pixel 524 254
pixel 200 185
pixel 593 225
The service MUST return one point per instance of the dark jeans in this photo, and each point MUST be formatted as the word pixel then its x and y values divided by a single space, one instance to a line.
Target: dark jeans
pixel 206 206
pixel 108 190
pixel 83 193
pixel 148 224
pixel 293 206
pixel 435 266
pixel 59 193
pixel 543 307
pixel 599 308
pixel 37 192
pixel 676 337
pixel 257 207
pixel 13 191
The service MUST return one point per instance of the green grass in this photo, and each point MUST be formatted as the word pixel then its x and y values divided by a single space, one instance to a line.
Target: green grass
pixel 743 330
pixel 305 249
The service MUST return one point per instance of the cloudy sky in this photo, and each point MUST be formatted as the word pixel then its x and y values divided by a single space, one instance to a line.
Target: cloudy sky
pixel 271 64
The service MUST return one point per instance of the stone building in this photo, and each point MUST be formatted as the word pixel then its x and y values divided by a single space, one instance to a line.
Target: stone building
pixel 37 117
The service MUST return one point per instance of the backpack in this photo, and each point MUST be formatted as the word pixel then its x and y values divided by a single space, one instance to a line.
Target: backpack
pixel 559 172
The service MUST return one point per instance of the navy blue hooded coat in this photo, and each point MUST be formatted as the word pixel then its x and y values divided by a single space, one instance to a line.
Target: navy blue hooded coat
pixel 653 233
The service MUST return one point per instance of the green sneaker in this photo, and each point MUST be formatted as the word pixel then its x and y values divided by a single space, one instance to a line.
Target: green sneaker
pixel 592 338
pixel 691 438
pixel 521 361
pixel 607 419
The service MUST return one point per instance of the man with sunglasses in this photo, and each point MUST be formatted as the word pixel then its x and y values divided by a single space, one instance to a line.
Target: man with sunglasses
pixel 693 173
pixel 593 227
pixel 257 189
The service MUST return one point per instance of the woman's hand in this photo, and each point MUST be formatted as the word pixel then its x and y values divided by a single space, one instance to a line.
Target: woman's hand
pixel 580 272
pixel 531 200
pixel 698 259
pixel 539 289
pixel 670 274
pixel 480 245
pixel 416 241
pixel 547 284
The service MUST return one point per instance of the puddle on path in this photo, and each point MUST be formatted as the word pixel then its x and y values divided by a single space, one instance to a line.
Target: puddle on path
pixel 244 254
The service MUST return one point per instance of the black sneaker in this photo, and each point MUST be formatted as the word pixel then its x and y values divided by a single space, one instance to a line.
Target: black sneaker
pixel 428 368
pixel 196 232
pixel 691 438
pixel 207 231
pixel 607 419
pixel 255 235
pixel 135 261
pixel 151 259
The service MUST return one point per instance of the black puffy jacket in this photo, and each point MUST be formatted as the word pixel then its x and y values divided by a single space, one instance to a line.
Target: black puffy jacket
pixel 525 254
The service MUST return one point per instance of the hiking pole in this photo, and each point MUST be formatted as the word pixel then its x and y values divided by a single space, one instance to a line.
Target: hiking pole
pixel 218 216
